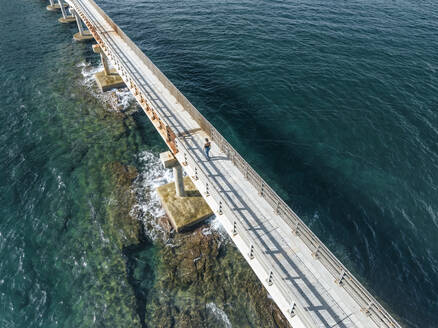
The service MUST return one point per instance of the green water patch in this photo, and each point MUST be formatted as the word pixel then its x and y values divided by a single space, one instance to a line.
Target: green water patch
pixel 203 281
pixel 111 274
pixel 75 257
pixel 66 197
pixel 104 145
pixel 141 260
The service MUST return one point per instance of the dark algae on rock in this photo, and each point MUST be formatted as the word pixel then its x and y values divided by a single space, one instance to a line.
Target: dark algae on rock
pixel 192 279
pixel 203 281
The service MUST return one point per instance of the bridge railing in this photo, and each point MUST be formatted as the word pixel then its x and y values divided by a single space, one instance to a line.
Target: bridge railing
pixel 369 305
pixel 255 251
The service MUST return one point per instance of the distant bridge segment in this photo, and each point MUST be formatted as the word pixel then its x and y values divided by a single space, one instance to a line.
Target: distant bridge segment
pixel 307 282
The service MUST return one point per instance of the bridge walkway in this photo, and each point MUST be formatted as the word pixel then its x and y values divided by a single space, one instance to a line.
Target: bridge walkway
pixel 301 285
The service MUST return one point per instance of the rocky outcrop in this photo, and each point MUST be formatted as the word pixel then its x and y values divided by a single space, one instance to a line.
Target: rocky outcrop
pixel 203 281
pixel 192 279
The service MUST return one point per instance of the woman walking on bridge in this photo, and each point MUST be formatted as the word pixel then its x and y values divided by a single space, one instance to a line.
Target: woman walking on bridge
pixel 207 147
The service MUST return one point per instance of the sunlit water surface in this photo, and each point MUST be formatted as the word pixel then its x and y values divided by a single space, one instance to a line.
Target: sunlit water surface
pixel 334 103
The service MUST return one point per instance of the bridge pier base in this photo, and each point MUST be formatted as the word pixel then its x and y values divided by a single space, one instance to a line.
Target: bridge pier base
pixel 182 202
pixel 55 6
pixel 65 18
pixel 82 35
pixel 108 78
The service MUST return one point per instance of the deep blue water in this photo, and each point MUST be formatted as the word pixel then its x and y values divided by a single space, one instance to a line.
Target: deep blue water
pixel 333 102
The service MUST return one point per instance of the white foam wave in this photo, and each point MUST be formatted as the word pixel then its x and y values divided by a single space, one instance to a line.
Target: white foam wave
pixel 148 208
pixel 214 225
pixel 220 314
pixel 115 100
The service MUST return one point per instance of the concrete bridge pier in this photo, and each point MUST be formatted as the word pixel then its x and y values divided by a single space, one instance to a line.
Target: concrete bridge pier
pixel 82 35
pixel 65 18
pixel 170 162
pixel 108 78
pixel 179 181
pixel 55 6
pixel 103 58
pixel 183 203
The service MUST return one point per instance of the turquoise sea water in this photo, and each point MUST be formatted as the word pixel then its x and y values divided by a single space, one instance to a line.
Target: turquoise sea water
pixel 333 102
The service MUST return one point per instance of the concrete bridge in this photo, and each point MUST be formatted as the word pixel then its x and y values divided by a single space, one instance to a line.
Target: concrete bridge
pixel 308 283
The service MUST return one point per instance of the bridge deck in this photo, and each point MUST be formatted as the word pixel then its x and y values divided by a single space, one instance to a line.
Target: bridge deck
pixel 297 276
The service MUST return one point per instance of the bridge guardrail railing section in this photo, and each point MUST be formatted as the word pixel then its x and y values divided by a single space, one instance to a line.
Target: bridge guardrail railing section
pixel 369 305
pixel 254 250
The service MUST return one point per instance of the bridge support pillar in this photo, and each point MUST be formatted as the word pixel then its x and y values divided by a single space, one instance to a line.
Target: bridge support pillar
pixel 65 18
pixel 55 6
pixel 170 162
pixel 82 35
pixel 108 78
pixel 183 203
pixel 103 58
pixel 179 181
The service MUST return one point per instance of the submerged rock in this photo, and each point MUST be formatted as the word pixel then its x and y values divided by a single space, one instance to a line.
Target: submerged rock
pixel 165 224
pixel 203 281
pixel 122 200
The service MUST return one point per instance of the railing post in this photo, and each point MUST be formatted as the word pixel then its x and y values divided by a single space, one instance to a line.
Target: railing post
pixel 207 193
pixel 169 137
pixel 196 173
pixel 251 252
pixel 233 158
pixel 315 253
pixel 277 209
pixel 367 310
pixel 270 279
pixel 234 231
pixel 295 229
pixel 262 189
pixel 292 309
pixel 339 280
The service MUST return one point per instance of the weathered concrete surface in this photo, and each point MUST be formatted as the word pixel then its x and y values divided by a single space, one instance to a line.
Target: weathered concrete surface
pixel 183 212
pixel 86 36
pixel 66 20
pixel 168 160
pixel 108 82
pixel 55 7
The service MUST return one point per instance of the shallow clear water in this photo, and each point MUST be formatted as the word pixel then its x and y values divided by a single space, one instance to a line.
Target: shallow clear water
pixel 61 248
pixel 332 102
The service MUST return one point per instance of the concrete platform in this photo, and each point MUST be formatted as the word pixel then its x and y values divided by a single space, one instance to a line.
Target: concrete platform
pixel 184 212
pixel 66 20
pixel 55 7
pixel 86 36
pixel 108 82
